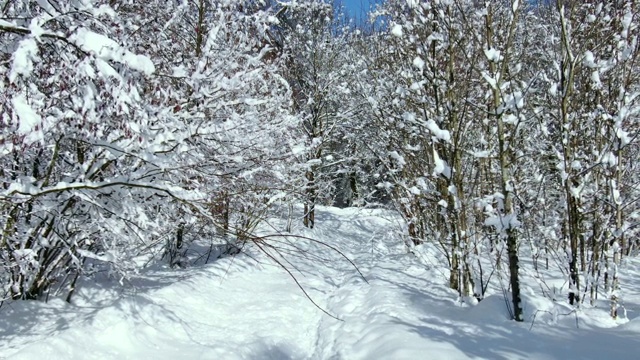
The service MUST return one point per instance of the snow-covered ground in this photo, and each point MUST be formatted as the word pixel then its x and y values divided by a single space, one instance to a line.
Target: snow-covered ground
pixel 248 307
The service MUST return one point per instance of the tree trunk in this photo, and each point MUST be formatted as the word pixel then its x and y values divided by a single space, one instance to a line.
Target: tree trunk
pixel 310 202
pixel 504 156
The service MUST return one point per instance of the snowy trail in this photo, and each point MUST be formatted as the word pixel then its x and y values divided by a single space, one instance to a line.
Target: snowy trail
pixel 197 317
pixel 373 311
pixel 240 308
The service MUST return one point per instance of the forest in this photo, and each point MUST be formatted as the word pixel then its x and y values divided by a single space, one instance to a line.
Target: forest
pixel 504 134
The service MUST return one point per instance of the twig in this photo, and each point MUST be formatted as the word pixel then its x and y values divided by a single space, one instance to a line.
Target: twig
pixel 323 244
pixel 257 243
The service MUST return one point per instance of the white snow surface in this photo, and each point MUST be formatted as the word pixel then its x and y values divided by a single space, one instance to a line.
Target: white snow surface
pixel 246 307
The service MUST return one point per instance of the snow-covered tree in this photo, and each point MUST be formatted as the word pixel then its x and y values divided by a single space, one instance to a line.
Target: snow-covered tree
pixel 107 152
pixel 321 74
pixel 592 99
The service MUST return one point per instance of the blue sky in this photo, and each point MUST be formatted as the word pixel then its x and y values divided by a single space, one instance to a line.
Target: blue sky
pixel 355 7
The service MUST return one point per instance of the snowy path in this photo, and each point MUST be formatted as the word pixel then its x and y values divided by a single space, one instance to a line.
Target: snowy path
pixel 237 308
pixel 232 310
pixel 377 315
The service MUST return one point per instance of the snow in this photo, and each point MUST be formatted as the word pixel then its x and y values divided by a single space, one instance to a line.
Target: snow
pixel 440 134
pixel 23 58
pixel 30 123
pixel 106 69
pixel 35 28
pixel 492 55
pixel 503 222
pixel 481 154
pixel 396 30
pixel 515 5
pixel 510 119
pixel 413 3
pixel 298 149
pixel 590 60
pixel 627 19
pixel 107 49
pixel 397 158
pixel 29 119
pixel 109 257
pixel 490 80
pixel 418 63
pixel 48 7
pixel 609 159
pixel 595 78
pixel 247 307
pixel 439 165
